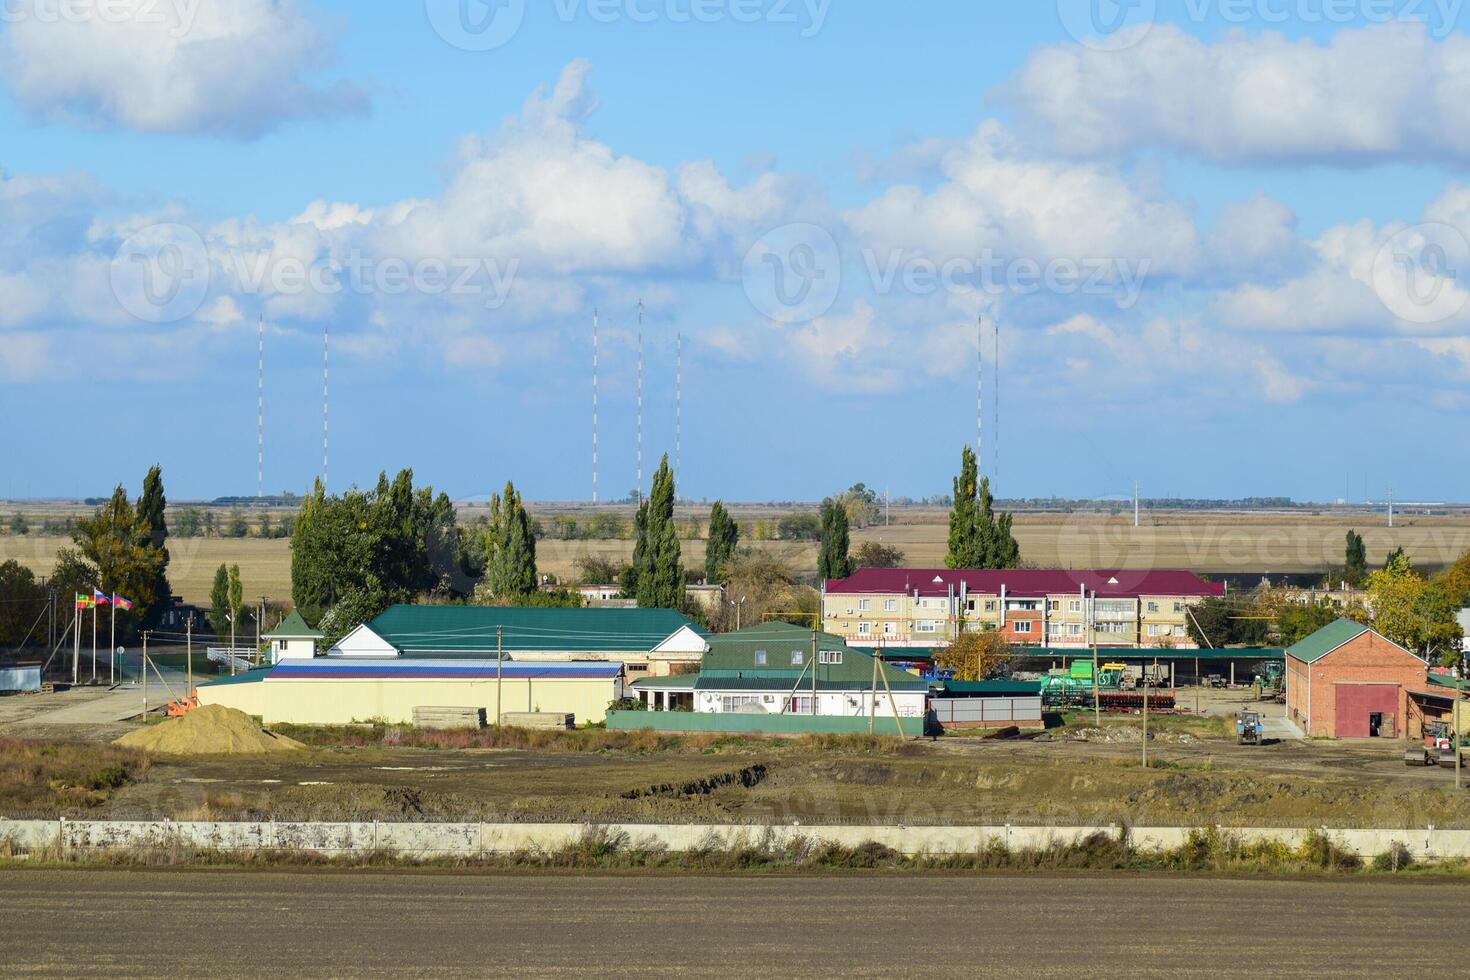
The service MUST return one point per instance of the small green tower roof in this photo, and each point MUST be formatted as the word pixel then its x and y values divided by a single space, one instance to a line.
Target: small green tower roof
pixel 293 627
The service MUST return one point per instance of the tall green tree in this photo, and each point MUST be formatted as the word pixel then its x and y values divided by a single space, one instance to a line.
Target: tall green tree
pixel 832 557
pixel 219 601
pixel 978 538
pixel 510 547
pixel 724 538
pixel 126 561
pixel 660 570
pixel 1355 559
pixel 381 546
pixel 235 594
pixel 629 580
pixel 153 532
pixel 1414 613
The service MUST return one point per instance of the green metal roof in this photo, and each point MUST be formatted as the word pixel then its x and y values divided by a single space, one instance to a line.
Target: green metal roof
pixel 1105 653
pixel 674 682
pixel 437 630
pixel 993 688
pixel 732 657
pixel 293 627
pixel 1325 640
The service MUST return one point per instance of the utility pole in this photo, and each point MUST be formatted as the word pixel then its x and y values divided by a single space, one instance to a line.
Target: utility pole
pixel 1455 717
pixel 814 668
pixel 1145 713
pixel 94 636
pixel 1096 697
pixel 189 653
pixel 145 676
pixel 260 616
pixel 499 670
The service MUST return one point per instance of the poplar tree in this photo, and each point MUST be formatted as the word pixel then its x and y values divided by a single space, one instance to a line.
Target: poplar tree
pixel 977 537
pixel 152 530
pixel 724 538
pixel 660 568
pixel 510 567
pixel 832 557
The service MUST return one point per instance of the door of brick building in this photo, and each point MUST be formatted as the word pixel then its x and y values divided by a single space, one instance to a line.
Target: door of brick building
pixel 1357 706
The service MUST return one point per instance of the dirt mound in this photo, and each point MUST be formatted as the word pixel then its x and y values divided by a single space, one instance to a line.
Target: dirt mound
pixel 209 730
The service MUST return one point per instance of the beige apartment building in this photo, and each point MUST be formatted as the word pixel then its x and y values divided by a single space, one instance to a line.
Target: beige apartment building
pixel 1052 608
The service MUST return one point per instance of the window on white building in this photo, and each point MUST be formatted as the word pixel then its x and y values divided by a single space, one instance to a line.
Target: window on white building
pixel 863 604
pixel 889 605
pixel 888 629
pixel 1153 607
pixel 829 657
pixel 760 658
pixel 864 628
pixel 734 702
pixel 1074 605
pixel 797 659
pixel 1154 629
pixel 924 626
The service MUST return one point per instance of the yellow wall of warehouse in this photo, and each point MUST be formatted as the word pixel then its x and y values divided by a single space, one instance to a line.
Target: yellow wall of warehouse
pixel 330 702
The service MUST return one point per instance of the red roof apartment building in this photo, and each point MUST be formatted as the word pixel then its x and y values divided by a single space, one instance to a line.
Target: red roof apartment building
pixel 1052 608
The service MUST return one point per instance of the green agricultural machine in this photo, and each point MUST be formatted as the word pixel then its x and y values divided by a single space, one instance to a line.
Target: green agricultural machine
pixel 1116 688
pixel 1271 682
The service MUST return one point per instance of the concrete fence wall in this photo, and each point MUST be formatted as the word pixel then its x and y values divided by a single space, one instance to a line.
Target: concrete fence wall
pixel 447 840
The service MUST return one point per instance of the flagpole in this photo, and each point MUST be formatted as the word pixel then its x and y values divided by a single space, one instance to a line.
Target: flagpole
pixel 76 640
pixel 112 646
pixel 94 640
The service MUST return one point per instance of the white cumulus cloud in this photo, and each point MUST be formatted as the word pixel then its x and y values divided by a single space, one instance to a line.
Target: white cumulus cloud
pixel 1380 93
pixel 233 68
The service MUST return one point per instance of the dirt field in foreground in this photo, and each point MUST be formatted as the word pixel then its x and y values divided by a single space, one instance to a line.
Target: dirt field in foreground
pixel 879 925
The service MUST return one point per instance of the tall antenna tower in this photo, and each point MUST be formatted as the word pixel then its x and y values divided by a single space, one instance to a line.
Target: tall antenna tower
pixel 594 405
pixel 1135 503
pixel 678 405
pixel 995 401
pixel 639 495
pixel 980 395
pixel 260 410
pixel 326 363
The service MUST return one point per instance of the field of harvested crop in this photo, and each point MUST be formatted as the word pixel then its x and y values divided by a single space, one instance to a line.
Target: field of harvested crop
pixel 1212 542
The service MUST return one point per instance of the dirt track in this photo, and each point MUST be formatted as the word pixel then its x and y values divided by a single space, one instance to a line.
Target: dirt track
pixel 239 924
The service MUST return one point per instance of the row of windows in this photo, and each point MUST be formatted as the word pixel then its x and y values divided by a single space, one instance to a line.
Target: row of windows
pixel 798 657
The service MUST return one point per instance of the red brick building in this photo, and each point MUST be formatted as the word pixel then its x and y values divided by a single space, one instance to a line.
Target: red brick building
pixel 1347 681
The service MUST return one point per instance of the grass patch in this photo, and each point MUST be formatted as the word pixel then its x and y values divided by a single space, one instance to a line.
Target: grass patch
pixel 63 776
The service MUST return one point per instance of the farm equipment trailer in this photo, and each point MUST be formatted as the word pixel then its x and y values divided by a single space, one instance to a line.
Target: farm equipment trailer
pixel 1116 689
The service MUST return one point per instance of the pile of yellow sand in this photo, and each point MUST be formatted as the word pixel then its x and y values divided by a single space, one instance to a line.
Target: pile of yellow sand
pixel 211 729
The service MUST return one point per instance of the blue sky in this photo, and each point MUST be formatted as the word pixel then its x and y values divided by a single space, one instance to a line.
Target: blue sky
pixel 1221 246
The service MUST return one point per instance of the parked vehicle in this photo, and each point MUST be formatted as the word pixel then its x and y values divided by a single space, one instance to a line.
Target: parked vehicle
pixel 1248 728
